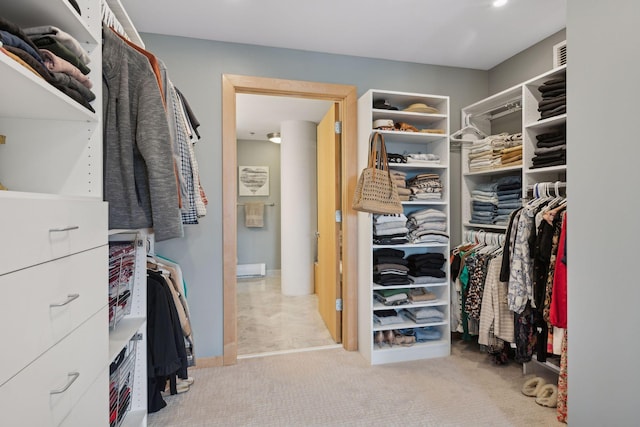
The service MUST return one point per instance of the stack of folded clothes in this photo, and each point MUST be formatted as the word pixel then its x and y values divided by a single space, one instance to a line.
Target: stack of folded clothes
pixel 387 317
pixel 554 98
pixel 390 268
pixel 484 203
pixel 496 151
pixel 392 296
pixel 426 268
pixel 422 315
pixel 400 180
pixel 390 229
pixel 509 192
pixel 551 148
pixel 422 159
pixel 427 333
pixel 425 186
pixel 427 226
pixel 51 54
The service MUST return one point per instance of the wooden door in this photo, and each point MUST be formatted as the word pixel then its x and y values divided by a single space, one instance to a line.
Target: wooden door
pixel 328 277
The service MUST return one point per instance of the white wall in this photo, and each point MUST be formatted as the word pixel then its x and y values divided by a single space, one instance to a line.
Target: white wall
pixel 299 206
pixel 603 84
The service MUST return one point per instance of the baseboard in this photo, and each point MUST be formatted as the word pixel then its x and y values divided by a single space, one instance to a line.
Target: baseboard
pixel 209 362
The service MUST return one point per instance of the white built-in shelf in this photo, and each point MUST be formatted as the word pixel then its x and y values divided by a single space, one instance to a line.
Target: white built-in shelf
pixel 23 88
pixel 424 285
pixel 435 303
pixel 410 137
pixel 122 334
pixel 59 13
pixel 412 245
pixel 487 226
pixel 495 171
pixel 416 166
pixel 135 418
pixel 424 202
pixel 123 17
pixel 559 168
pixel 405 324
pixel 548 122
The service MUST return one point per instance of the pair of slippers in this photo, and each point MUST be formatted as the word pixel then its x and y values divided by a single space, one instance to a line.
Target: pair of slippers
pixel 182 386
pixel 545 394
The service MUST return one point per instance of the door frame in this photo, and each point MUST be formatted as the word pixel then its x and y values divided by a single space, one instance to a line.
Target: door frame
pixel 346 97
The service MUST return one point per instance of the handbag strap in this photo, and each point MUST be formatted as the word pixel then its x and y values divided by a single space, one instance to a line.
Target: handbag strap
pixel 379 162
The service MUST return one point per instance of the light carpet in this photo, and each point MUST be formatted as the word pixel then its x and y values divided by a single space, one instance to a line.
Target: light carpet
pixel 333 387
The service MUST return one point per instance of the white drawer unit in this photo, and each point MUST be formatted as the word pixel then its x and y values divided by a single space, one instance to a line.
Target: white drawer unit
pixel 47 302
pixel 46 391
pixel 53 227
pixel 95 401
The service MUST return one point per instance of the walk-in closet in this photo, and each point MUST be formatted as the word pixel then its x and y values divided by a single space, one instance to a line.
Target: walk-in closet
pixel 186 237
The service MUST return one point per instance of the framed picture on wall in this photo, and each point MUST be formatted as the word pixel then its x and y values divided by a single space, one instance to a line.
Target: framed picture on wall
pixel 253 180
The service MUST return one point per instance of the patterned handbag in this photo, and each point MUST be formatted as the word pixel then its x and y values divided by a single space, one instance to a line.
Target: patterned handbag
pixel 376 192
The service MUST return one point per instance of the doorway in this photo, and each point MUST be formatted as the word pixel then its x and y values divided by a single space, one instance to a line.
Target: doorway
pixel 345 96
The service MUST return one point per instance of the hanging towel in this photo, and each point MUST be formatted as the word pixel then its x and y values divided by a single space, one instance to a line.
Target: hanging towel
pixel 254 214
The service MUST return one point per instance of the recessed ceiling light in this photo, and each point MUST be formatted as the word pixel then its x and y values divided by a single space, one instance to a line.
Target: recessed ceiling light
pixel 499 3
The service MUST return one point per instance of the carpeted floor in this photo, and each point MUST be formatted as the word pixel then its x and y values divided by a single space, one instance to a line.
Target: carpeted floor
pixel 333 387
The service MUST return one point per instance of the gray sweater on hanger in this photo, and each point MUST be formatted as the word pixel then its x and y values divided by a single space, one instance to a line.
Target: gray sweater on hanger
pixel 139 178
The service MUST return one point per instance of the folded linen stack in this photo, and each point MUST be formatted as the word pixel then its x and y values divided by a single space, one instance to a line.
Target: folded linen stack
pixel 390 229
pixel 390 268
pixel 427 226
pixel 425 186
pixel 495 151
pixel 423 159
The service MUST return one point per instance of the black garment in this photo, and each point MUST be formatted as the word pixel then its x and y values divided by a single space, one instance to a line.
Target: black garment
pixel 166 352
pixel 192 117
pixel 505 268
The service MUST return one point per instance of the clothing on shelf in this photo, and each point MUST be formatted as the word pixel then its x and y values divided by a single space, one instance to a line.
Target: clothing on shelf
pixel 551 148
pixel 496 151
pixel 53 56
pixel 554 98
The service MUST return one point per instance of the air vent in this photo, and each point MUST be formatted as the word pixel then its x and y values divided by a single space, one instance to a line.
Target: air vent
pixel 560 54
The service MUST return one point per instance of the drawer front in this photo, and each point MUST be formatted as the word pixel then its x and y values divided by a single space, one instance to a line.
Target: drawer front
pixel 43 304
pixel 41 229
pixel 93 407
pixel 45 392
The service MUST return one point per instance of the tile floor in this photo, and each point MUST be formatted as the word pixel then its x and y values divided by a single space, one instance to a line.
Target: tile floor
pixel 269 321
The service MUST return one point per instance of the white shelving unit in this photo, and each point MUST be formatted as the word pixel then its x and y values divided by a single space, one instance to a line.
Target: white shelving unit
pixel 512 110
pixel 400 142
pixel 133 326
pixel 55 272
pixel 499 113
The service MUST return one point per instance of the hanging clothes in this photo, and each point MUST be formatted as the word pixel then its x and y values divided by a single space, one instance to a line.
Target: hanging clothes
pixel 139 182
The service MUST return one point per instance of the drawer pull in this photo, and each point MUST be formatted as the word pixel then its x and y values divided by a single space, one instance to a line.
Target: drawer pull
pixel 61 229
pixel 73 376
pixel 70 298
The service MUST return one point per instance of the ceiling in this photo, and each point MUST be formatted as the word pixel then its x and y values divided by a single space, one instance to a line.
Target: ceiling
pixel 457 33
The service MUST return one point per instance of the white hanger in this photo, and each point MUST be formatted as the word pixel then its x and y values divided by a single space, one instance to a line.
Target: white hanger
pixel 462 134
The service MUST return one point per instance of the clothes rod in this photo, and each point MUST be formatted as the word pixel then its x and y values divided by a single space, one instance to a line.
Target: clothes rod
pixel 266 204
pixel 502 110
